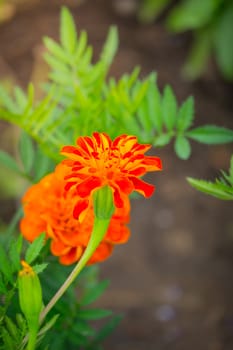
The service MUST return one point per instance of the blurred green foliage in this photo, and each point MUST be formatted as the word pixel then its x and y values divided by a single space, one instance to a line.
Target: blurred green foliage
pixel 211 22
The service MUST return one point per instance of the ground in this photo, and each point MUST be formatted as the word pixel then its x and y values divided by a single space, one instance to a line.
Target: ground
pixel 173 280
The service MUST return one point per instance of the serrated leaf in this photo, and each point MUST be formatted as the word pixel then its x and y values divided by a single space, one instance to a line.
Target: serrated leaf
pixel 68 33
pixel 185 114
pixel 35 248
pixel 93 314
pixel 214 189
pixel 26 151
pixel 169 108
pixel 182 147
pixel 9 162
pixel 211 134
pixel 93 293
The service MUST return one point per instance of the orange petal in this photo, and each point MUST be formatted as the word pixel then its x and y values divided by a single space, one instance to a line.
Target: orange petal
pixel 142 187
pixel 87 186
pixel 80 208
pixel 72 256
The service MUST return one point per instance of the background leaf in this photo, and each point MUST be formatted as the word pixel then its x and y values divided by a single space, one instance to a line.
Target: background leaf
pixel 169 107
pixel 211 134
pixel 223 42
pixel 26 150
pixel 182 147
pixel 214 189
pixel 68 31
pixel 186 114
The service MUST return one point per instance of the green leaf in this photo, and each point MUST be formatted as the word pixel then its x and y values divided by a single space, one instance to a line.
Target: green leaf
pixel 191 14
pixel 68 33
pixel 56 64
pixel 6 101
pixel 231 170
pixel 217 190
pixel 211 134
pixel 7 340
pixel 9 162
pixel 21 98
pixel 110 46
pixel 11 328
pixel 26 150
pixel 162 140
pixel 154 104
pixel 3 287
pixel 11 228
pixel 38 268
pixel 48 325
pixel 56 50
pixel 35 248
pixel 169 108
pixel 223 42
pixel 199 54
pixel 185 114
pixel 15 251
pixel 5 265
pixel 182 147
pixel 92 294
pixel 93 314
pixel 42 164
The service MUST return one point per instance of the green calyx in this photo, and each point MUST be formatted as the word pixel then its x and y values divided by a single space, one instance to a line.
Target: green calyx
pixel 103 203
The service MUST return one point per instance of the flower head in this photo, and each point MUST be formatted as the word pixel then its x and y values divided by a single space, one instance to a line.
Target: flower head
pixel 48 207
pixel 98 161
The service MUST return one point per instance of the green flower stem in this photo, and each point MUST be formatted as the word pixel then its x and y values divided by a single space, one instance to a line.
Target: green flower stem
pixel 32 335
pixel 99 230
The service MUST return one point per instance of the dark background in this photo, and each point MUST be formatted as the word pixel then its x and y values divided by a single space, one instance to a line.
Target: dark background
pixel 173 281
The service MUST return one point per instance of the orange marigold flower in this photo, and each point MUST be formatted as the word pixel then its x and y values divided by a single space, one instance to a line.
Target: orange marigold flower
pixel 98 161
pixel 48 207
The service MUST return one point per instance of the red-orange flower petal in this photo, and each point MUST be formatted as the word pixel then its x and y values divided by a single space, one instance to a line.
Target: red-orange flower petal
pixel 98 161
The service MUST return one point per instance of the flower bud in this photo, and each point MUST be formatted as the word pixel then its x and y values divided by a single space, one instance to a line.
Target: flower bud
pixel 30 294
pixel 103 203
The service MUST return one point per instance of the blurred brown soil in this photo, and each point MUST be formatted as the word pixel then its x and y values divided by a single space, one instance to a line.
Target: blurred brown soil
pixel 173 280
